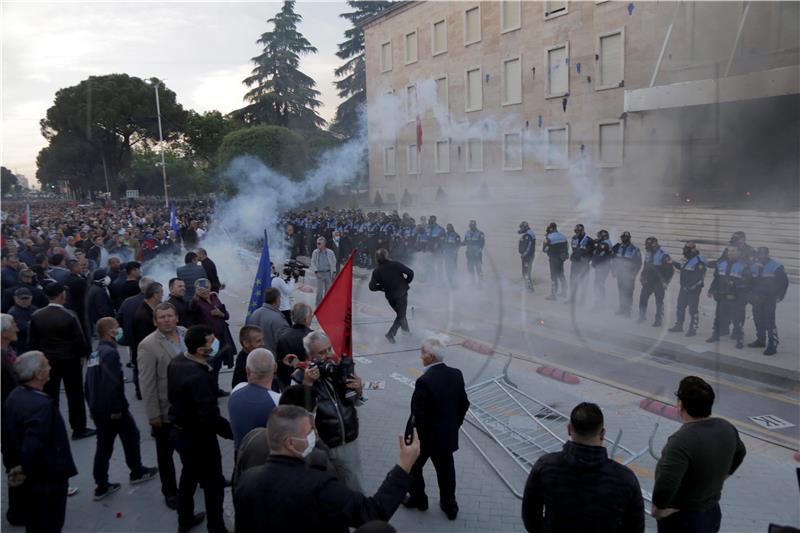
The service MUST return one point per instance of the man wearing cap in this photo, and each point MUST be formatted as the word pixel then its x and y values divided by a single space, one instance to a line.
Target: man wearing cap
pixel 56 332
pixel 22 311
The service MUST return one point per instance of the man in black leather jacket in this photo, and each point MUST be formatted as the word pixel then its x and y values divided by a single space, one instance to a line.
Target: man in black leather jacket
pixel 337 395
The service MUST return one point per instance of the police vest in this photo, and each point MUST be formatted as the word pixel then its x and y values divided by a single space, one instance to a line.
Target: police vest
pixel 626 251
pixel 600 252
pixel 693 263
pixel 555 238
pixel 767 271
pixel 655 258
pixel 737 269
pixel 451 238
pixel 473 238
pixel 435 231
pixel 580 244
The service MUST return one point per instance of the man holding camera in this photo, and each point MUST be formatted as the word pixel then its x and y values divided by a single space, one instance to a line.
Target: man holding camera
pixel 339 391
pixel 285 284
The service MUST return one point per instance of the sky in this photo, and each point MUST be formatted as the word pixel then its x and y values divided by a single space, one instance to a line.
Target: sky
pixel 201 49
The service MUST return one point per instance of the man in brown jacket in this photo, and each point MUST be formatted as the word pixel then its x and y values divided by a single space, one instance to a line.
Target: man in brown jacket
pixel 154 355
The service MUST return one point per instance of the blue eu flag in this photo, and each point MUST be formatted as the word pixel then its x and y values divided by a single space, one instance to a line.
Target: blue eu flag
pixel 173 217
pixel 263 280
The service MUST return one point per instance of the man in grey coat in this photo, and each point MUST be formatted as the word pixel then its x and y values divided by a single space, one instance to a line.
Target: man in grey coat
pixel 270 319
pixel 323 264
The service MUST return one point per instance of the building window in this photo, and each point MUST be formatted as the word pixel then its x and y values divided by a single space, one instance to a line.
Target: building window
pixel 512 151
pixel 557 147
pixel 610 143
pixel 510 15
pixel 412 159
pixel 610 60
pixel 474 155
pixel 474 96
pixel 472 25
pixel 442 156
pixel 411 103
pixel 512 81
pixel 555 8
pixel 439 37
pixel 411 48
pixel 389 162
pixel 386 56
pixel 557 61
pixel 442 97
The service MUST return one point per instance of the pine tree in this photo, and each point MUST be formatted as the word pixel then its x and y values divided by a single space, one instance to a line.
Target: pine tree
pixel 280 93
pixel 353 83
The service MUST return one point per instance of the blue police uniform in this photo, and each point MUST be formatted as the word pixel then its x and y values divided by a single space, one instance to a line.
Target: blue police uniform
pixel 450 246
pixel 769 287
pixel 557 250
pixel 582 246
pixel 475 240
pixel 656 275
pixel 601 262
pixel 626 261
pixel 527 252
pixel 693 273
pixel 730 288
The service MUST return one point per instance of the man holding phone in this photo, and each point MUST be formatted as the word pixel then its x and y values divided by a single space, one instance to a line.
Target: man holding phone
pixel 438 407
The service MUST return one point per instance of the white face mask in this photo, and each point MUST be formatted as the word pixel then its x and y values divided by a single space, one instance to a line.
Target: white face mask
pixel 311 439
pixel 106 281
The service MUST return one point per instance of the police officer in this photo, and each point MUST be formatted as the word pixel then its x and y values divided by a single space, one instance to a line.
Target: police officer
pixel 474 240
pixel 450 246
pixel 730 288
pixel 739 240
pixel 626 262
pixel 656 275
pixel 582 248
pixel 769 287
pixel 693 272
pixel 527 251
pixel 557 250
pixel 601 262
pixel 435 240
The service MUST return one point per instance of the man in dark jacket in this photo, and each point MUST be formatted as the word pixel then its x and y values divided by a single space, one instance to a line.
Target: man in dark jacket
pixel 438 407
pixel 77 285
pixel 291 342
pixel 581 488
pixel 250 338
pixel 35 446
pixel 392 278
pixel 105 395
pixel 98 301
pixel 177 297
pixel 210 269
pixel 196 423
pixel 22 311
pixel 133 273
pixel 189 273
pixel 57 333
pixel 286 495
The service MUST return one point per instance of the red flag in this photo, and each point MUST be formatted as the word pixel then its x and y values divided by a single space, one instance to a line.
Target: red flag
pixel 419 134
pixel 335 311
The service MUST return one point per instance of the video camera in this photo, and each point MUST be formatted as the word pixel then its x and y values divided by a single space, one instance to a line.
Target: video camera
pixel 294 268
pixel 338 374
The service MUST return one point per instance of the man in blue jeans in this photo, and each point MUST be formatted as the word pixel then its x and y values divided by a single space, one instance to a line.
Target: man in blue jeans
pixel 105 395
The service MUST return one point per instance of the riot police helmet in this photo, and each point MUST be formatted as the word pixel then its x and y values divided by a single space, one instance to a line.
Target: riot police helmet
pixel 762 253
pixel 625 237
pixel 651 243
pixel 551 227
pixel 473 225
pixel 432 220
pixel 690 249
pixel 738 237
pixel 602 235
pixel 579 229
pixel 523 226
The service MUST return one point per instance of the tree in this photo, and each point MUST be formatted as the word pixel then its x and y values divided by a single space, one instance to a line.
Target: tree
pixel 183 176
pixel 280 93
pixel 204 134
pixel 68 158
pixel 8 181
pixel 279 148
pixel 353 83
pixel 111 114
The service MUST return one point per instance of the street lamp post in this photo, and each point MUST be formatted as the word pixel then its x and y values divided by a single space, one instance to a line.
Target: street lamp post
pixel 161 143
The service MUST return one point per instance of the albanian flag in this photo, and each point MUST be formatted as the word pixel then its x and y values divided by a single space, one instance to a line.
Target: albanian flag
pixel 335 311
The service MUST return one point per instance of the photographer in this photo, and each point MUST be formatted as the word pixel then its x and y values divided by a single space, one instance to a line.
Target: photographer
pixel 285 283
pixel 339 391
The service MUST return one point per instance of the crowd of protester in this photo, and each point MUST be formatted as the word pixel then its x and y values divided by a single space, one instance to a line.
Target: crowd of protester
pixel 76 294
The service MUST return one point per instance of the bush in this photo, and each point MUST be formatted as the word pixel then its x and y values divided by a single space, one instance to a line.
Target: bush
pixel 279 148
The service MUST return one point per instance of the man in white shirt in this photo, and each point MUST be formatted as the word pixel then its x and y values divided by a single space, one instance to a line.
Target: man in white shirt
pixel 323 263
pixel 284 283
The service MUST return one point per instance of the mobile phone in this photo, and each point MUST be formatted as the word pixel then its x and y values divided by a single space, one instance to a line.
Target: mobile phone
pixel 202 283
pixel 409 435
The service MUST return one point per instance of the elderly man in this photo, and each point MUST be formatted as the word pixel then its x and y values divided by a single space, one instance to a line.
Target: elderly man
pixel 155 353
pixel 22 311
pixel 196 424
pixel 56 331
pixel 286 495
pixel 438 407
pixel 323 264
pixel 35 446
pixel 105 395
pixel 291 342
pixel 270 319
pixel 250 338
pixel 337 418
pixel 251 403
pixel 581 488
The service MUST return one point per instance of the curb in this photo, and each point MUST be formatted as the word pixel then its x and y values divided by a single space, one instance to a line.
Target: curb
pixel 558 374
pixel 660 408
pixel 479 347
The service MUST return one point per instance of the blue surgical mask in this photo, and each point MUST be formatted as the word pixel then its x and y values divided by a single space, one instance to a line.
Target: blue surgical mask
pixel 119 335
pixel 214 348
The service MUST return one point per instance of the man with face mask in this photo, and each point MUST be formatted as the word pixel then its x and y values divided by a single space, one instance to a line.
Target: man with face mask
pixel 286 495
pixel 527 251
pixel 196 423
pixel 557 250
pixel 626 262
pixel 450 246
pixel 582 248
pixel 693 271
pixel 656 275
pixel 98 300
pixel 338 395
pixel 474 240
pixel 105 396
pixel 769 287
pixel 730 288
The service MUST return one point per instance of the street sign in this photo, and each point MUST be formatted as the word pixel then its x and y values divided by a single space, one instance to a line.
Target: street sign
pixel 771 422
pixel 132 193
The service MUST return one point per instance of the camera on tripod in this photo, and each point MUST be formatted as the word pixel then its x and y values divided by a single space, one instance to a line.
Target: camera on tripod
pixel 294 268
